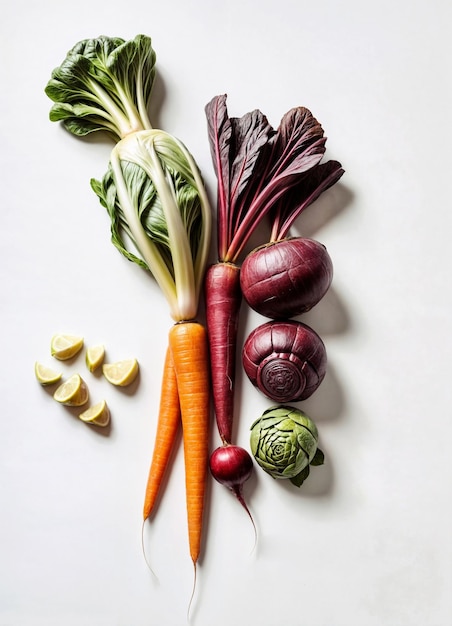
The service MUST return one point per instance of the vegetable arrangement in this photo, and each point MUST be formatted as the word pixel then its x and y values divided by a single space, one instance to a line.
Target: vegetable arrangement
pixel 274 174
pixel 161 220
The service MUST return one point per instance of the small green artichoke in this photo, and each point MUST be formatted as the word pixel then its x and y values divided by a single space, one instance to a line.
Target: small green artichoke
pixel 284 443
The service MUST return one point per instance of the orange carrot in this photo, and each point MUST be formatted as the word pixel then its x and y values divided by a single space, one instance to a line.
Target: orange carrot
pixel 188 343
pixel 168 423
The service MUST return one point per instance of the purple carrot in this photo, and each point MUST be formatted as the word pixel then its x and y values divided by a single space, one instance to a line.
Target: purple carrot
pixel 223 297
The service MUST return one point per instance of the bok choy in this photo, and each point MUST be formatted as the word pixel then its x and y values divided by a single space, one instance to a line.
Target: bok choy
pixel 152 190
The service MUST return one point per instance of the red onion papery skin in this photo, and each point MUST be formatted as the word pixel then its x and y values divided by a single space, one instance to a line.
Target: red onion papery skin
pixel 285 278
pixel 285 360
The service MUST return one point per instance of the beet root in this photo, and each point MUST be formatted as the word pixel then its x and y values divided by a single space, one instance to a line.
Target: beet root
pixel 286 278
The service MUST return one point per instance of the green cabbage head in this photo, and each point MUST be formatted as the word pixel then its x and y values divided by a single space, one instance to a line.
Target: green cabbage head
pixel 284 443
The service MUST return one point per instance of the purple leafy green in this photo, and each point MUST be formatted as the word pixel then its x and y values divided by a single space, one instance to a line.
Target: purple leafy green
pixel 262 171
pixel 286 210
pixel 236 145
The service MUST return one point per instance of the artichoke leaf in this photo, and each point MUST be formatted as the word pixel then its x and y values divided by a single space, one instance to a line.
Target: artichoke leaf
pixel 319 458
pixel 299 479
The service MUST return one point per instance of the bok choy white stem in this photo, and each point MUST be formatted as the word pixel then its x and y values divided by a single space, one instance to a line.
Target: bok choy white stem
pixel 167 214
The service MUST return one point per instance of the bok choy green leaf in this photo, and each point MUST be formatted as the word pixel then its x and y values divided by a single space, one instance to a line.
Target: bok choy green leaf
pixel 104 84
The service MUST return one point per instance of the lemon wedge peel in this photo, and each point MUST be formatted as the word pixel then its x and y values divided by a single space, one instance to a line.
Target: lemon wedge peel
pixel 121 373
pixel 63 346
pixel 46 375
pixel 98 414
pixel 94 357
pixel 73 392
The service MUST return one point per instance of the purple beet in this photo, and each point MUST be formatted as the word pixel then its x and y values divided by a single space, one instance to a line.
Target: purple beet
pixel 286 278
pixel 285 360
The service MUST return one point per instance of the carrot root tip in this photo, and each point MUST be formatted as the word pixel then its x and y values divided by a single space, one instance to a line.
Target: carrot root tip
pixel 193 591
pixel 143 548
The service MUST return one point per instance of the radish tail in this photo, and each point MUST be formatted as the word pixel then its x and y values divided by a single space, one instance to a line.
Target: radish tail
pixel 223 300
pixel 237 491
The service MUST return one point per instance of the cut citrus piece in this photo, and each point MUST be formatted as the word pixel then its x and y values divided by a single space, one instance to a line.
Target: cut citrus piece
pixel 73 392
pixel 121 373
pixel 64 347
pixel 98 414
pixel 94 357
pixel 46 375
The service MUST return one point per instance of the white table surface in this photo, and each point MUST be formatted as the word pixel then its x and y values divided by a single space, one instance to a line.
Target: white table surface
pixel 367 540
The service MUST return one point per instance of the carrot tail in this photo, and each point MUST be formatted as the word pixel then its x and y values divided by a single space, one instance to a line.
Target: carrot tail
pixel 188 343
pixel 167 426
pixel 223 300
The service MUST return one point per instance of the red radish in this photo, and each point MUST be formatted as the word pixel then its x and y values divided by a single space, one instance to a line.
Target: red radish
pixel 232 466
pixel 286 360
pixel 285 278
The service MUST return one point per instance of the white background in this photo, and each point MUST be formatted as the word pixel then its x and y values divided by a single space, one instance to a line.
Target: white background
pixel 367 540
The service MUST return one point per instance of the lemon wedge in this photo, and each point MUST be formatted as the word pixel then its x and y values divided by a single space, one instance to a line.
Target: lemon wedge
pixel 94 357
pixel 98 414
pixel 121 373
pixel 46 375
pixel 64 347
pixel 73 392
